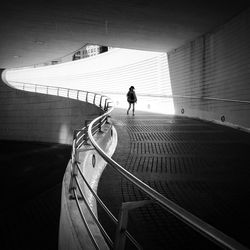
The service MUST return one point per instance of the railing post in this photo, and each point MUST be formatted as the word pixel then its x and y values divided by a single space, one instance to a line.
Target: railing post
pixel 77 96
pixel 74 162
pixel 100 105
pixel 108 116
pixel 100 125
pixel 120 235
pixel 120 238
pixel 74 171
pixel 87 96
pixel 107 119
pixel 108 104
pixel 85 137
pixel 105 105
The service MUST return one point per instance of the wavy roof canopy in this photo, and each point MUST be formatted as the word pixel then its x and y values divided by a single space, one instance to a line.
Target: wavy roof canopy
pixel 33 32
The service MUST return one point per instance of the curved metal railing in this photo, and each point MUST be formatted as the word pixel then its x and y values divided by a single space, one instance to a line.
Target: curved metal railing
pixel 191 220
pixel 81 95
pixel 81 137
pixel 207 98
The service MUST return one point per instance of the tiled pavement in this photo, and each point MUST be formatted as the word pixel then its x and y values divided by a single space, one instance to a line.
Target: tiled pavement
pixel 203 167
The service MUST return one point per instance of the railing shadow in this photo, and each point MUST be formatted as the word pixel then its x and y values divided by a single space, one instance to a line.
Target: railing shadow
pixel 85 136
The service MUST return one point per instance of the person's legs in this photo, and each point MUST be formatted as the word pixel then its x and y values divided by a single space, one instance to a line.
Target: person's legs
pixel 133 108
pixel 129 108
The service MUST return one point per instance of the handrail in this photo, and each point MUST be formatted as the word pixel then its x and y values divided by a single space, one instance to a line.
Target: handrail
pixel 80 137
pixel 93 215
pixel 108 212
pixel 208 98
pixel 76 145
pixel 84 221
pixel 154 95
pixel 191 220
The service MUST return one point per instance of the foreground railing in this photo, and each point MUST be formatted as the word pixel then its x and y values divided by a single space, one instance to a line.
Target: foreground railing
pixel 197 224
pixel 84 136
pixel 202 227
pixel 80 139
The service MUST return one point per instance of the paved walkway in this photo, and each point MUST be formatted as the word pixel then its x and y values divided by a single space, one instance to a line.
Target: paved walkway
pixel 203 167
pixel 31 177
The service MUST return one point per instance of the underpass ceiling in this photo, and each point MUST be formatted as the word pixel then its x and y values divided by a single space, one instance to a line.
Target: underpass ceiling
pixel 33 32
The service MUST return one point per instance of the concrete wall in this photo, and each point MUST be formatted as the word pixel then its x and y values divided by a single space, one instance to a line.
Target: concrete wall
pixel 215 65
pixel 72 232
pixel 37 117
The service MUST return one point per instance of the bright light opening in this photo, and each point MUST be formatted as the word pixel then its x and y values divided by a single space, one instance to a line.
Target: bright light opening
pixel 110 73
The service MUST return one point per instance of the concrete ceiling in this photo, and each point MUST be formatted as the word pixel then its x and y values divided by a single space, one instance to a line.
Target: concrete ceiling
pixel 33 32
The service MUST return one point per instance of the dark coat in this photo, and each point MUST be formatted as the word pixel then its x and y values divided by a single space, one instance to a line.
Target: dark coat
pixel 131 96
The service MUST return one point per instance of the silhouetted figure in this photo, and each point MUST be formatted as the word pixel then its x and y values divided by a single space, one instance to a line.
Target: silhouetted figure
pixel 132 99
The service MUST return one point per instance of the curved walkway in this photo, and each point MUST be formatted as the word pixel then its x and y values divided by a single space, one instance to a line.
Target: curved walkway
pixel 201 166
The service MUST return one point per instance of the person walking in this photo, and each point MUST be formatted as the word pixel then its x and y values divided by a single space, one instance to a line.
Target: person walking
pixel 132 99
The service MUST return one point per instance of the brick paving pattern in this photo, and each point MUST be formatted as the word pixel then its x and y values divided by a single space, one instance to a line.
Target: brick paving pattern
pixel 203 167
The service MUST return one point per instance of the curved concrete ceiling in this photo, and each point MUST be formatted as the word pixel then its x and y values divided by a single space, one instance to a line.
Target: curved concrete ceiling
pixel 33 32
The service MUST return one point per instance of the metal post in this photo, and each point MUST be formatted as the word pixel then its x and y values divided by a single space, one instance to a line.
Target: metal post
pixel 105 105
pixel 85 129
pixel 100 125
pixel 100 102
pixel 87 96
pixel 74 171
pixel 107 119
pixel 108 105
pixel 72 184
pixel 120 236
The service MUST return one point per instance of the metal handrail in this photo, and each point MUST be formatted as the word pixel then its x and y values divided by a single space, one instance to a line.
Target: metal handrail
pixel 153 95
pixel 104 233
pixel 108 212
pixel 74 185
pixel 197 224
pixel 191 220
pixel 84 221
pixel 208 98
pixel 80 137
pixel 67 90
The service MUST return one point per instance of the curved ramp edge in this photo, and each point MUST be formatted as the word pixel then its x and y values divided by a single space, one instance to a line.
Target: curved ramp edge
pixel 72 233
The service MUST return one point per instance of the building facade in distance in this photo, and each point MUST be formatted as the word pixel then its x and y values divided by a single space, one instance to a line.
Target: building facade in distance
pixel 89 50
